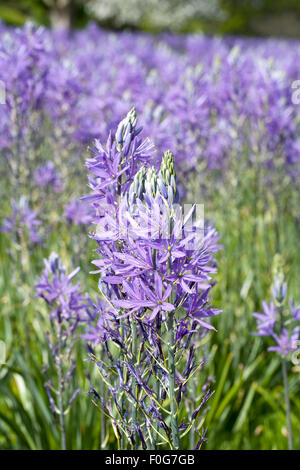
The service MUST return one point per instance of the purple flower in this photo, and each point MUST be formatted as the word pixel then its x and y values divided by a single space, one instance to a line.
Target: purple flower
pixel 57 289
pixel 98 333
pixel 295 311
pixel 198 308
pixel 22 216
pixel 101 323
pixel 68 308
pixel 114 165
pixel 266 321
pixel 155 269
pixel 140 296
pixel 46 175
pixel 79 212
pixel 285 342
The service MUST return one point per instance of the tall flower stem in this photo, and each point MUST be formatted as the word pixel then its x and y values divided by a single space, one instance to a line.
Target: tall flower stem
pixel 103 420
pixel 61 391
pixel 286 391
pixel 23 267
pixel 287 404
pixel 157 390
pixel 134 353
pixel 194 394
pixel 157 384
pixel 155 436
pixel 171 367
pixel 122 331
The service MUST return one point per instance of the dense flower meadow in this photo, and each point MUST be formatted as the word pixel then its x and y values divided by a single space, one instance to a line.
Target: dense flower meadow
pixel 150 211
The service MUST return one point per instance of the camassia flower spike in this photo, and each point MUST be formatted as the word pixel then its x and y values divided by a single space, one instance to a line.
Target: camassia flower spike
pixel 155 274
pixel 284 330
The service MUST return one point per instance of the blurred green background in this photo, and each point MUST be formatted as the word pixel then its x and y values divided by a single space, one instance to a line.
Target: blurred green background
pixel 242 17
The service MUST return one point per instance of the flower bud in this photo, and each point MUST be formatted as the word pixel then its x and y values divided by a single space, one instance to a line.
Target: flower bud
pixel 137 187
pixel 279 289
pixel 126 129
pixel 151 182
pixel 167 178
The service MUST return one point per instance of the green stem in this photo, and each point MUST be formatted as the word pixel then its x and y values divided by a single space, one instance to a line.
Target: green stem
pixel 122 332
pixel 287 404
pixel 134 353
pixel 60 393
pixel 103 420
pixel 155 436
pixel 23 264
pixel 286 389
pixel 192 432
pixel 171 367
pixel 157 384
pixel 157 391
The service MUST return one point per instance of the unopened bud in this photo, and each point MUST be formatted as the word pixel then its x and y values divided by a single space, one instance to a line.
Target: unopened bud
pixel 151 182
pixel 167 178
pixel 126 129
pixel 137 187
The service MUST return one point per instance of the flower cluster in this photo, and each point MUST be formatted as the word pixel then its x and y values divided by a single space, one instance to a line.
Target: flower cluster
pixel 113 166
pixel 68 307
pixel 240 96
pixel 283 327
pixel 155 265
pixel 47 175
pixel 276 322
pixel 63 297
pixel 269 322
pixel 22 218
pixel 78 212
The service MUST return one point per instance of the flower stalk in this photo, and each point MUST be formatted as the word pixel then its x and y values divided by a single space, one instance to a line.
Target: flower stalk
pixel 152 263
pixel 61 391
pixel 134 384
pixel 171 378
pixel 287 403
pixel 68 307
pixel 274 324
